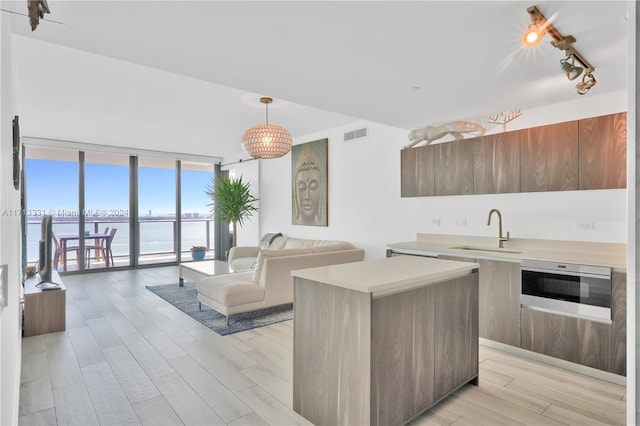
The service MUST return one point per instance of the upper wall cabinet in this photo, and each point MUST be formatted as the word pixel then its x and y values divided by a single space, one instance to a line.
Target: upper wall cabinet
pixel 549 158
pixel 454 167
pixel 603 152
pixel 583 154
pixel 496 163
pixel 417 171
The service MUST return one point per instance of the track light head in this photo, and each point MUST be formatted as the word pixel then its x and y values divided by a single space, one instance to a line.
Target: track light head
pixel 533 35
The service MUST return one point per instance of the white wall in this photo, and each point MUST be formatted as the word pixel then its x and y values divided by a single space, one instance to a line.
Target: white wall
pixel 366 209
pixel 10 241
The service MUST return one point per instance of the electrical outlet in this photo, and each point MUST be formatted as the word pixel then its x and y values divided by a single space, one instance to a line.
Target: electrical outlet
pixel 461 222
pixel 584 226
pixel 435 222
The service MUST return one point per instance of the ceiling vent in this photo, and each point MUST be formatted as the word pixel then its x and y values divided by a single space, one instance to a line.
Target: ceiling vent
pixel 356 134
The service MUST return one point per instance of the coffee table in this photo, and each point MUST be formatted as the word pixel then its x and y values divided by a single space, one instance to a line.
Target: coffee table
pixel 193 271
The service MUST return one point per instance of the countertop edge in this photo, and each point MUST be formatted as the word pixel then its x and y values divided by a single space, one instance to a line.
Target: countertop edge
pixel 616 261
pixel 387 275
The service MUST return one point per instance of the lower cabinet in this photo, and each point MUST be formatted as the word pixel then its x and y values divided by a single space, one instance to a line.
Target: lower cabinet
pixel 619 323
pixel 590 343
pixel 572 339
pixel 499 301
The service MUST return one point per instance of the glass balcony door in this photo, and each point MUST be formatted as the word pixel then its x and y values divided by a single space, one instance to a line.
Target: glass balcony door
pixel 106 210
pixel 51 178
pixel 157 226
pixel 195 206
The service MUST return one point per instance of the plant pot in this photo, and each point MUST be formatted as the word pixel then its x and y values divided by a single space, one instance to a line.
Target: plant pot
pixel 198 254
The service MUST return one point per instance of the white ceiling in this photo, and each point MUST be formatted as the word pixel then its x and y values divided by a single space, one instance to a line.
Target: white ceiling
pixel 186 76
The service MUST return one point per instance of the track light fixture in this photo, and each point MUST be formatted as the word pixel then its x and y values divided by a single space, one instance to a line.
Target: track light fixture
pixel 569 67
pixel 540 26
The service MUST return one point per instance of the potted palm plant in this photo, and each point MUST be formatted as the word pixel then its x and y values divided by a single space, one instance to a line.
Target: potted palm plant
pixel 232 201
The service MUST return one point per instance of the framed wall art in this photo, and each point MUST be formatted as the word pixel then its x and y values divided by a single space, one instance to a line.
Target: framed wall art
pixel 309 178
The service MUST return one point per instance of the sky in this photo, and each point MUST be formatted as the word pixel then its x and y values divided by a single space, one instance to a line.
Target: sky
pixel 48 186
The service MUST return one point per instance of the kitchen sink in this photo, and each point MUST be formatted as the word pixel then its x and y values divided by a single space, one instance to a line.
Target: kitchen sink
pixel 484 248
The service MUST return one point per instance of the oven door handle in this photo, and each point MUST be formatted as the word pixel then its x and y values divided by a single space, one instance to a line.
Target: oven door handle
pixel 569 273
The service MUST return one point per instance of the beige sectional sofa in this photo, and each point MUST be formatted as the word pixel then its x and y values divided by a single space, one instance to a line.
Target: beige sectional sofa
pixel 270 282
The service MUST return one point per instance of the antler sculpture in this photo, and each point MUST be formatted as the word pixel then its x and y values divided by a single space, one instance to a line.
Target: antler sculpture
pixel 504 117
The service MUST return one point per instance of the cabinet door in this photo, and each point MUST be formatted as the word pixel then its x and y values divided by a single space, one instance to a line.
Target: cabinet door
pixel 619 323
pixel 454 168
pixel 603 152
pixel 417 171
pixel 572 339
pixel 549 159
pixel 496 163
pixel 455 333
pixel 499 301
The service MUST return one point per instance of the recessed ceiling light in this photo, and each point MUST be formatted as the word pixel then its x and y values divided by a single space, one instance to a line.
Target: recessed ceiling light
pixel 415 88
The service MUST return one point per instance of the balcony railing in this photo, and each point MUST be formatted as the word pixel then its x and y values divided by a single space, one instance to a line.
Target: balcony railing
pixel 157 239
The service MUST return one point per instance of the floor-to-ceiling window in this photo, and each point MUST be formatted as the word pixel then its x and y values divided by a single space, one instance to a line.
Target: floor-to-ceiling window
pixel 197 219
pixel 113 209
pixel 157 210
pixel 51 177
pixel 106 209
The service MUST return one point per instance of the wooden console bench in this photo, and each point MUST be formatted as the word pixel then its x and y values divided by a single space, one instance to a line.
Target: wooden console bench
pixel 44 311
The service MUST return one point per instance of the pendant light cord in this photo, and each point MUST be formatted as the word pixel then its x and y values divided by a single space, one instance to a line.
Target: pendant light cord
pixel 267 105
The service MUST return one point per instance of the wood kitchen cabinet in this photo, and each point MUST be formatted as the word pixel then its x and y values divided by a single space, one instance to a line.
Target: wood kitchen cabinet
pixel 549 158
pixel 582 154
pixel 572 339
pixel 499 301
pixel 619 323
pixel 454 168
pixel 417 171
pixel 603 152
pixel 496 163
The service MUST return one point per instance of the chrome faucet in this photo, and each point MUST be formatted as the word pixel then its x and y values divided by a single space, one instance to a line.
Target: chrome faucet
pixel 501 239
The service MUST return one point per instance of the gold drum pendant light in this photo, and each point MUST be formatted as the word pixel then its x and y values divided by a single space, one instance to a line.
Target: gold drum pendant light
pixel 266 140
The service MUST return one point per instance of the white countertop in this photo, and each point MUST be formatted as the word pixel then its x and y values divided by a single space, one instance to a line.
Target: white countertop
pixel 386 276
pixel 587 253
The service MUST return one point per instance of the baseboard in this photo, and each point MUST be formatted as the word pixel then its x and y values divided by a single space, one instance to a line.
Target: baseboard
pixel 545 359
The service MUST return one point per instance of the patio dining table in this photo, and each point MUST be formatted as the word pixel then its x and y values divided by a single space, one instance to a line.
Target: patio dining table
pixel 64 238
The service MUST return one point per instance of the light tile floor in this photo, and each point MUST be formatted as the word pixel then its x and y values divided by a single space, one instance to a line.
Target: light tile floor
pixel 128 357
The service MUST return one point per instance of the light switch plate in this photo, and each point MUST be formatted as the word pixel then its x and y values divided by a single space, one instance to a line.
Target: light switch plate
pixel 585 226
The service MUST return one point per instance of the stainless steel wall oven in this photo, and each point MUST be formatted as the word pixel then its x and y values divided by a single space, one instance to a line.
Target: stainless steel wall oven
pixel 581 291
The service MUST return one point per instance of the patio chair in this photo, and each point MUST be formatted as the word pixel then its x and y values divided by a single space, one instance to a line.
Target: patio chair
pixel 58 251
pixel 105 249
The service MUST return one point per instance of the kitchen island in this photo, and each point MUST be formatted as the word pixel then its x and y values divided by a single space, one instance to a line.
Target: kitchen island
pixel 381 341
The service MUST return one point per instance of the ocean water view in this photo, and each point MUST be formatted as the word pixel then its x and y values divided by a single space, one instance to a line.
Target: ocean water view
pixel 156 236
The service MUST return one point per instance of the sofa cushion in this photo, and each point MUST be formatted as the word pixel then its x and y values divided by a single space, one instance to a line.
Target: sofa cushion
pixel 298 243
pixel 243 264
pixel 267 253
pixel 278 243
pixel 238 294
pixel 231 289
pixel 267 239
pixel 334 246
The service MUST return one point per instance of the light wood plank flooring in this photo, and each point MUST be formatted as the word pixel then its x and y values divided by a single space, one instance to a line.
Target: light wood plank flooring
pixel 128 357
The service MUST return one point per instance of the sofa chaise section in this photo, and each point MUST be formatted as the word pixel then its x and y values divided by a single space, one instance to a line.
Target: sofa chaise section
pixel 270 283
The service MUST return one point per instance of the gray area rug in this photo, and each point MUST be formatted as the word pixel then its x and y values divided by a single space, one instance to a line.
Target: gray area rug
pixel 186 299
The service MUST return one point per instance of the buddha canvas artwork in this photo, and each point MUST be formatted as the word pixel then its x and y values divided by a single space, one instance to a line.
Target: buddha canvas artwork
pixel 309 183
